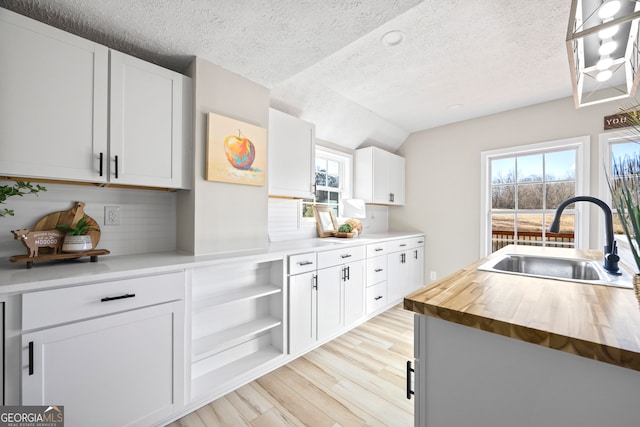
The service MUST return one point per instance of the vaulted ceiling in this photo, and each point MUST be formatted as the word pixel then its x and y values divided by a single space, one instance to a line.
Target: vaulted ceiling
pixel 325 61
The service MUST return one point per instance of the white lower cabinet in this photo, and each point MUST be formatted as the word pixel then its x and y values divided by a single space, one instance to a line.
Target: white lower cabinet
pixel 123 368
pixel 405 263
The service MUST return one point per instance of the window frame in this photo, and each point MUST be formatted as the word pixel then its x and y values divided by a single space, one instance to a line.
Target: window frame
pixel 345 188
pixel 580 144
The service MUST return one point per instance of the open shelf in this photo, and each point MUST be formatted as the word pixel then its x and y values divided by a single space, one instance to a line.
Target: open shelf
pixel 220 341
pixel 207 383
pixel 250 292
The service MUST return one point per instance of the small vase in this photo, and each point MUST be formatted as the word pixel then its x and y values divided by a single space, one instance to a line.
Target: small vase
pixel 636 286
pixel 77 243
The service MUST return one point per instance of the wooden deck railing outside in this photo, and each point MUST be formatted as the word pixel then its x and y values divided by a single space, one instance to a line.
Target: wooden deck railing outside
pixel 502 238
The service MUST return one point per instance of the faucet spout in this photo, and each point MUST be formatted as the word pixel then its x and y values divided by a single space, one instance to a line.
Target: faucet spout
pixel 611 257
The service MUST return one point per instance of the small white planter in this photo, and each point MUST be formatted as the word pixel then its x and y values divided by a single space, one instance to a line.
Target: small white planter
pixel 77 243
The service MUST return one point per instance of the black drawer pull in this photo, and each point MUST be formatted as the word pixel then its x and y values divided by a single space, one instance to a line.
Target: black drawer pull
pixel 379 249
pixel 420 241
pixel 345 256
pixel 116 167
pixel 403 245
pixel 378 297
pixel 378 270
pixel 30 357
pixel 100 163
pixel 305 263
pixel 105 299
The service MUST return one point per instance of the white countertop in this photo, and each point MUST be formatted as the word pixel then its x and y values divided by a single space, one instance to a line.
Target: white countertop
pixel 15 278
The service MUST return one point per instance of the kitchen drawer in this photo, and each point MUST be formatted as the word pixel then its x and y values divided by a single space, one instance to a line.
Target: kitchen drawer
pixel 404 244
pixel 376 270
pixel 376 249
pixel 340 256
pixel 376 297
pixel 63 305
pixel 302 263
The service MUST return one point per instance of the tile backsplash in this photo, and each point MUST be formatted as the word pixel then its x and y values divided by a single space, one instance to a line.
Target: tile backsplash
pixel 147 217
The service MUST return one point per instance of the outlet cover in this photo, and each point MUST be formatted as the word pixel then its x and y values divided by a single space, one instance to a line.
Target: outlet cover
pixel 112 215
pixel 433 275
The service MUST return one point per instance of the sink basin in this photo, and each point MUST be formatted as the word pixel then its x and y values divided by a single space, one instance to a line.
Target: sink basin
pixel 575 270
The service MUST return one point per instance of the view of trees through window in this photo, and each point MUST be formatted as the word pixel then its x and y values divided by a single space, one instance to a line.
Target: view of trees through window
pixel 328 185
pixel 625 159
pixel 525 191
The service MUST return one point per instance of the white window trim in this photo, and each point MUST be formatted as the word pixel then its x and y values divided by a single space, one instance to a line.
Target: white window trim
pixel 347 179
pixel 580 143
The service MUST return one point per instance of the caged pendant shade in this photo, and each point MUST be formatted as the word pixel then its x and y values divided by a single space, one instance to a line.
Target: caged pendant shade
pixel 604 56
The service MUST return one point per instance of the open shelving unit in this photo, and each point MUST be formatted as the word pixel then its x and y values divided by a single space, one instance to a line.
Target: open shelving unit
pixel 237 323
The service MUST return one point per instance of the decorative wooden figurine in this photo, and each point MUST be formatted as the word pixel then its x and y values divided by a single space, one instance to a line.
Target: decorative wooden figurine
pixel 33 240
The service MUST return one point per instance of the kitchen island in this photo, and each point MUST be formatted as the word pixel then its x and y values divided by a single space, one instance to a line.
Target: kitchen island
pixel 496 349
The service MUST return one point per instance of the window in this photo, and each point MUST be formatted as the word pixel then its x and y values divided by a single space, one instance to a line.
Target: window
pixel 332 180
pixel 616 146
pixel 522 187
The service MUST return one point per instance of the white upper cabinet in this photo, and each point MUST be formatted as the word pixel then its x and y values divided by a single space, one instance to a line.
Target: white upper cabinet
pixel 291 156
pixel 73 110
pixel 145 123
pixel 53 102
pixel 379 176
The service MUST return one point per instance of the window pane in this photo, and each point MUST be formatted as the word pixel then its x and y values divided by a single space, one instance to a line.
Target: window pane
pixel 502 230
pixel 321 164
pixel 530 196
pixel 566 236
pixel 529 229
pixel 307 208
pixel 321 179
pixel 560 166
pixel 322 196
pixel 623 150
pixel 333 181
pixel 333 197
pixel 558 192
pixel 503 197
pixel 503 170
pixel 529 168
pixel 333 167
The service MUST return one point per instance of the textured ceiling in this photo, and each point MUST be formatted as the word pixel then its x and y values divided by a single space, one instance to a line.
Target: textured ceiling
pixel 324 62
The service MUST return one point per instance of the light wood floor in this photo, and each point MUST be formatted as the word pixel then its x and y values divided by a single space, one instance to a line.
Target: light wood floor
pixel 357 379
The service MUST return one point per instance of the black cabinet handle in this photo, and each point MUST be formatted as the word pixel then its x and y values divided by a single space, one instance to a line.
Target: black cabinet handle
pixel 101 159
pixel 379 249
pixel 345 256
pixel 116 167
pixel 315 282
pixel 105 299
pixel 378 270
pixel 391 197
pixel 348 273
pixel 378 297
pixel 305 263
pixel 420 241
pixel 409 371
pixel 30 357
pixel 403 245
pixel 416 254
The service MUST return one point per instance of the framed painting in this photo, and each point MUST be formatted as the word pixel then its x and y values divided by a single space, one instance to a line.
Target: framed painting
pixel 236 151
pixel 325 221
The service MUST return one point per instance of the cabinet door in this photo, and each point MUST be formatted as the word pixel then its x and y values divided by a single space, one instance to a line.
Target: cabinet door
pixel 114 370
pixel 354 293
pixel 396 179
pixel 397 275
pixel 145 123
pixel 291 156
pixel 416 268
pixel 302 312
pixel 381 190
pixel 53 102
pixel 329 301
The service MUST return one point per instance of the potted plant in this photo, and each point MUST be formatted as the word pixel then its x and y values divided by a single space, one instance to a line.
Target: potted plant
pixel 77 238
pixel 20 188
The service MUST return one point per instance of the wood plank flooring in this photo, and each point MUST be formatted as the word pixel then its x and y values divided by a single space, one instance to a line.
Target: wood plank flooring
pixel 358 379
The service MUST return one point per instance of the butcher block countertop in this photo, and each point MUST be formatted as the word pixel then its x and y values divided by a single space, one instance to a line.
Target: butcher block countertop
pixel 593 321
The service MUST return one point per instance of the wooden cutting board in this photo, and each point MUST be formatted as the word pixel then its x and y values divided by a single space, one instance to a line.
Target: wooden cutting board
pixel 69 217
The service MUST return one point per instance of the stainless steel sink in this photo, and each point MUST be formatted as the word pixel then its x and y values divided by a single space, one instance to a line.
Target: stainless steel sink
pixel 575 270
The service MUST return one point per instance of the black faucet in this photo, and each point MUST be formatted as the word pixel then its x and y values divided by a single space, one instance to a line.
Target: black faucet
pixel 611 257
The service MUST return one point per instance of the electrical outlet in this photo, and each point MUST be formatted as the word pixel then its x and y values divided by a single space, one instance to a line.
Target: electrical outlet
pixel 433 275
pixel 112 215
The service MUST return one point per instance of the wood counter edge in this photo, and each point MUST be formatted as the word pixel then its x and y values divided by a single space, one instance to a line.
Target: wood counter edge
pixel 592 350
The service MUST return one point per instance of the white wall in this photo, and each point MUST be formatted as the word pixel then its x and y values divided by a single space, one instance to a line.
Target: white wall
pixel 443 174
pixel 215 216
